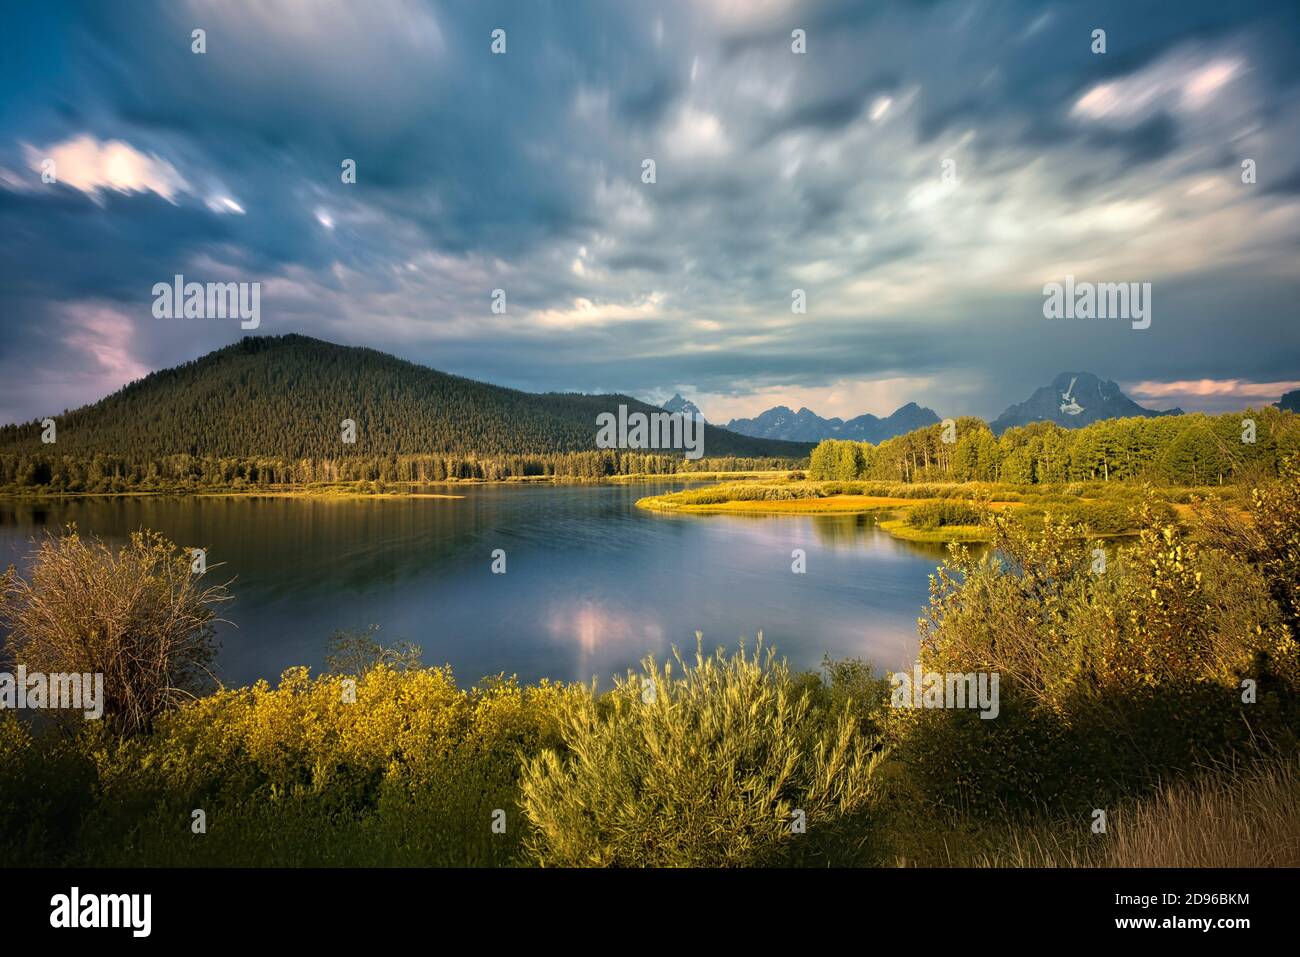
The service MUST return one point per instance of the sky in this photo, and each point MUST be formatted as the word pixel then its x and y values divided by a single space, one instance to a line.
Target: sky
pixel 920 171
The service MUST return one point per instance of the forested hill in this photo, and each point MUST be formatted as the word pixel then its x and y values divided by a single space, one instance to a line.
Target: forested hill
pixel 285 396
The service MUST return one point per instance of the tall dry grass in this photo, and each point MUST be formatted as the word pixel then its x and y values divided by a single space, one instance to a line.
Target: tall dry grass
pixel 1226 818
pixel 137 614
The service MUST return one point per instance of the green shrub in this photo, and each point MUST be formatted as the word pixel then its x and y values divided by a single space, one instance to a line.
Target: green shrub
pixel 1269 539
pixel 1110 676
pixel 944 513
pixel 354 652
pixel 410 773
pixel 745 492
pixel 705 769
pixel 47 786
pixel 1113 517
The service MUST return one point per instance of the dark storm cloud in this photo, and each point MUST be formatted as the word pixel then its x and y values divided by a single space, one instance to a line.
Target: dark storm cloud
pixel 775 172
pixel 1149 140
pixel 830 109
pixel 1287 184
pixel 996 341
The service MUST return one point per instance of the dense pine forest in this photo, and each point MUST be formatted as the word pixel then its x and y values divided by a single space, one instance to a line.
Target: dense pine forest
pixel 1178 450
pixel 284 398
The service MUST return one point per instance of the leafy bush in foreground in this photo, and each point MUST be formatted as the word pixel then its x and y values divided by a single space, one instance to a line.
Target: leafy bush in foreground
pixel 1110 676
pixel 411 772
pixel 354 652
pixel 706 769
pixel 1269 541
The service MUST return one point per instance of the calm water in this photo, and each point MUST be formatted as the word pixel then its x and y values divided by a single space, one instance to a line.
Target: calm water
pixel 592 582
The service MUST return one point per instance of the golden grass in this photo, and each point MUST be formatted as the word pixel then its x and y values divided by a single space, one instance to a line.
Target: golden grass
pixel 1247 817
pixel 814 506
pixel 899 528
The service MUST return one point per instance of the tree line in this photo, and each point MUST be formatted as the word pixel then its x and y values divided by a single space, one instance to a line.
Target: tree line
pixel 116 473
pixel 1194 449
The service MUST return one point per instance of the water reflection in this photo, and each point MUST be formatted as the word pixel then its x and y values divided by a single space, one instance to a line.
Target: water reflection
pixel 593 627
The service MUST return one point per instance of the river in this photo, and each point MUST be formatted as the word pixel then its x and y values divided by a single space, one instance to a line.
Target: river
pixel 591 582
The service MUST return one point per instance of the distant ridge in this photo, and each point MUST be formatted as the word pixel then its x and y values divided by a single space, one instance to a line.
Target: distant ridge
pixel 807 426
pixel 285 397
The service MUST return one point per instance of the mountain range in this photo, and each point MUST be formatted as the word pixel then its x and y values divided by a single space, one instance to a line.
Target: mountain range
pixel 807 426
pixel 286 397
pixel 1072 400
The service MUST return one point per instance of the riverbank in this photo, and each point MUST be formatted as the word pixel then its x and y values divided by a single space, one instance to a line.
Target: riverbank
pixel 939 512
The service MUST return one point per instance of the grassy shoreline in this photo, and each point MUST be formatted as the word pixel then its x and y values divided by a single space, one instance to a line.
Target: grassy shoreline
pixel 877 505
pixel 933 512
